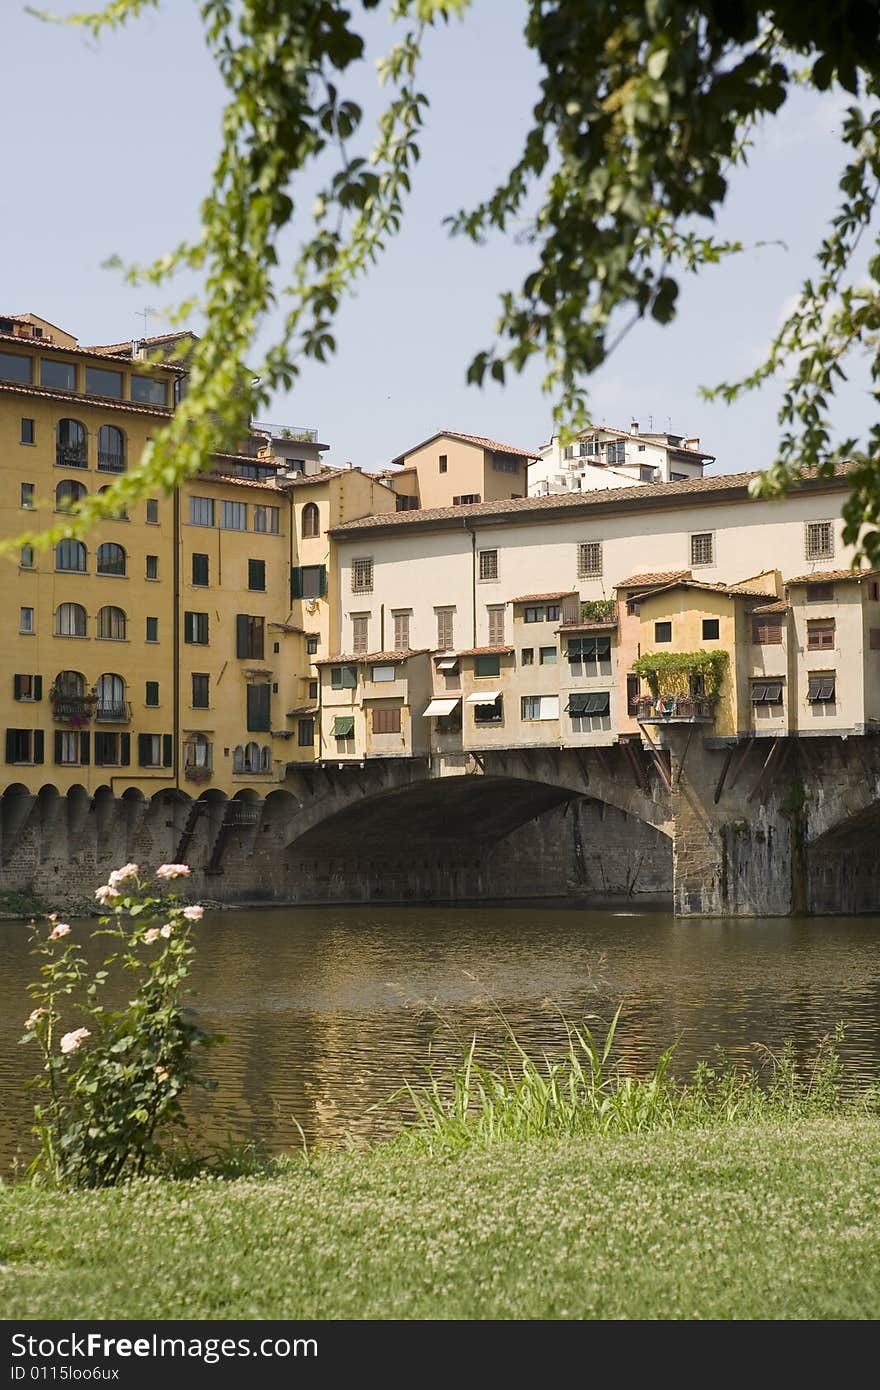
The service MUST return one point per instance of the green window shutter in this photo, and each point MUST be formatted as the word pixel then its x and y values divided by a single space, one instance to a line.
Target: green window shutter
pixel 322 581
pixel 125 749
pixel 343 726
pixel 200 569
pixel 257 574
pixel 38 745
pixel 59 744
pixel 242 628
pixel 167 750
pixel 143 750
pixel 10 745
pixel 100 748
pixel 296 582
pixel 258 704
pixel 187 628
pixel 16 687
pixel 84 749
pixel 38 687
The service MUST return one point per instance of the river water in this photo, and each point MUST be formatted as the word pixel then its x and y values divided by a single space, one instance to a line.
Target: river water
pixel 326 1011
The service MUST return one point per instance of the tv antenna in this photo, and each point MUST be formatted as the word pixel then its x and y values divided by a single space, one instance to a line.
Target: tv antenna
pixel 146 314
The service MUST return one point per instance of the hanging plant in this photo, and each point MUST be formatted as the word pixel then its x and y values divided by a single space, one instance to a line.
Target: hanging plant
pixel 675 673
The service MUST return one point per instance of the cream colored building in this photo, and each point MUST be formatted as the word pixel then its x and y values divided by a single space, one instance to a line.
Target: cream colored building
pixel 604 457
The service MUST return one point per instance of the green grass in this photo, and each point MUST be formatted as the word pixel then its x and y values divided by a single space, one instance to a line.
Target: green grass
pixel 773 1220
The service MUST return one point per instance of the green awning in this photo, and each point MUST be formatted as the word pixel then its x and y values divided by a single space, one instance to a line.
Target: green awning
pixel 343 726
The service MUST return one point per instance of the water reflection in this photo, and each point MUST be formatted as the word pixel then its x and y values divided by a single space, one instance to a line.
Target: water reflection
pixel 327 1010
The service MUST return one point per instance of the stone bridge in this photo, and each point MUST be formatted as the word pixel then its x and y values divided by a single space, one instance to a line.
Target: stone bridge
pixel 760 827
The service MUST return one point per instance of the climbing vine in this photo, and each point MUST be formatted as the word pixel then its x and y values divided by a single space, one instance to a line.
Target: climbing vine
pixel 672 673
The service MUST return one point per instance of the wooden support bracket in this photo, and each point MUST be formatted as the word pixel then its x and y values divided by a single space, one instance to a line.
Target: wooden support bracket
pixel 719 786
pixel 778 745
pixel 634 756
pixel 741 761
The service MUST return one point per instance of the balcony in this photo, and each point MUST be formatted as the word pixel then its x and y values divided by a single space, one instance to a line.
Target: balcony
pixel 675 709
pixel 72 709
pixel 71 456
pixel 297 434
pixel 111 461
pixel 113 712
pixel 195 772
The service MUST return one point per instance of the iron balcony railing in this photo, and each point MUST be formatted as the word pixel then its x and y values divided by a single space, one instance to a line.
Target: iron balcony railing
pixel 71 456
pixel 77 707
pixel 672 707
pixel 113 712
pixel 111 461
pixel 300 434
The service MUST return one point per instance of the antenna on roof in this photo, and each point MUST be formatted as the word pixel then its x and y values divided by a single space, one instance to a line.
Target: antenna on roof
pixel 146 314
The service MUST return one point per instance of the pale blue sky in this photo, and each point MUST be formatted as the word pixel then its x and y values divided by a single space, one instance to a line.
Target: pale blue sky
pixel 108 149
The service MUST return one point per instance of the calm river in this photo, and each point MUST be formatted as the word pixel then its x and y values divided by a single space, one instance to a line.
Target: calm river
pixel 327 1010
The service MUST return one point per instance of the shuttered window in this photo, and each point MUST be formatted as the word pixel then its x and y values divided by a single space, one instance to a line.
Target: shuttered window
pixel 27 688
pixel 308 581
pixel 258 703
pixel 360 632
pixel 24 745
pixel 195 628
pixel 767 630
pixel 249 637
pixel 822 689
pixel 496 626
pixel 820 635
pixel 257 575
pixel 386 721
pixel 767 692
pixel 401 631
pixel 200 570
pixel 445 629
pixel 72 747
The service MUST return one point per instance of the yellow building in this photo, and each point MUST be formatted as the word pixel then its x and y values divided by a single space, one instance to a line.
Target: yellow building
pixel 451 469
pixel 175 647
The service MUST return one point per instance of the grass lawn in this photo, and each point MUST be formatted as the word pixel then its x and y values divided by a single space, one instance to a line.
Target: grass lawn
pixel 780 1220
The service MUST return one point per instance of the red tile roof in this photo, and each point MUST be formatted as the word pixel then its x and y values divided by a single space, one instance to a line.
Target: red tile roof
pixel 492 444
pixel 105 402
pixel 597 625
pixel 778 606
pixel 702 586
pixel 484 651
pixel 544 598
pixel 364 658
pixel 46 345
pixel 645 497
pixel 834 576
pixel 648 581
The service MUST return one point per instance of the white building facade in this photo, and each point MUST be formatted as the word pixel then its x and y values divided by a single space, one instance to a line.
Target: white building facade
pixel 603 457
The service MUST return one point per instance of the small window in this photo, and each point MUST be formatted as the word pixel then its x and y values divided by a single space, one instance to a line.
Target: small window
pixel 69 494
pixel 151 693
pixel 103 383
pixel 820 593
pixel 586 655
pixel 70 620
pixel 360 632
pixel 488 666
pixel 306 733
pixel 152 511
pixel 27 688
pixel 822 689
pixel 589 559
pixel 311 521
pixel 703 548
pixel 444 463
pixel 874 590
pixel 312 644
pixel 152 570
pixel 111 559
pixel 383 673
pixel 819 540
pixel 874 639
pixel 535 707
pixel 195 628
pixel 386 721
pixel 26 557
pixel 111 449
pixel 70 556
pixel 546 656
pixel 710 629
pixel 308 581
pixel 24 745
pixel 488 564
pixel 233 516
pixel 313 690
pixel 663 632
pixel 495 615
pixel 152 630
pixel 201 511
pixel 343 677
pixel 553 612
pixel 527 656
pixel 633 690
pixel 259 700
pixel 267 520
pixel 27 431
pixel 200 570
pixel 200 692
pixel 146 390
pixel 820 635
pixel 257 575
pixel 27 496
pixel 343 726
pixel 249 637
pixel 533 615
pixel 362 575
pixel 467 499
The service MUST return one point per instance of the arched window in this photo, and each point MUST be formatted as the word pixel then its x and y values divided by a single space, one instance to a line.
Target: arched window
pixel 252 758
pixel 111 558
pixel 68 493
pixel 111 697
pixel 71 446
pixel 111 449
pixel 311 520
pixel 266 759
pixel 238 759
pixel 111 624
pixel 69 685
pixel 70 620
pixel 122 514
pixel 198 751
pixel 70 555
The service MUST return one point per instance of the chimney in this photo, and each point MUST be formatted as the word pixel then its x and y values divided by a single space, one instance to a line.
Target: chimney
pixel 692 443
pixel 634 427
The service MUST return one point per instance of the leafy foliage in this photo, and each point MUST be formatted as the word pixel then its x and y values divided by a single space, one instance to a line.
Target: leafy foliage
pixel 597 610
pixel 110 1088
pixel 645 107
pixel 671 673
